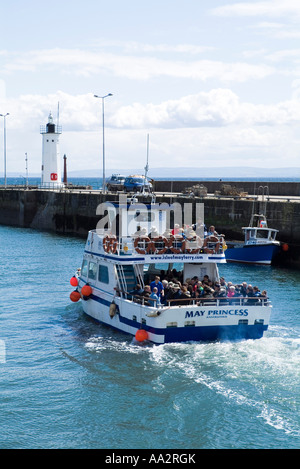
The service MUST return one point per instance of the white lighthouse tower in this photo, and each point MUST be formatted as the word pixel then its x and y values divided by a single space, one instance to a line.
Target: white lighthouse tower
pixel 51 164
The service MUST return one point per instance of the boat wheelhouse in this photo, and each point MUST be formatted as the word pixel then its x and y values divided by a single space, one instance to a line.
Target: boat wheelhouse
pixel 131 246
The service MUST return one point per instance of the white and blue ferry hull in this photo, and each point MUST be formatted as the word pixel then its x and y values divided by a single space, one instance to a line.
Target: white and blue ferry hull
pixel 184 323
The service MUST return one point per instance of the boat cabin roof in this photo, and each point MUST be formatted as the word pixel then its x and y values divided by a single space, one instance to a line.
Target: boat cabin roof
pixel 127 217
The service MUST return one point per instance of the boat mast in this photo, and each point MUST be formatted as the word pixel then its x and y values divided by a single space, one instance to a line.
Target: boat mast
pixel 147 165
pixel 261 213
pixel 265 191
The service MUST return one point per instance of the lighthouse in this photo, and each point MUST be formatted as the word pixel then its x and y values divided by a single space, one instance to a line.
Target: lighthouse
pixel 51 165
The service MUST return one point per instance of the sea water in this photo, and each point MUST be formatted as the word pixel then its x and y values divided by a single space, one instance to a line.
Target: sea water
pixel 67 382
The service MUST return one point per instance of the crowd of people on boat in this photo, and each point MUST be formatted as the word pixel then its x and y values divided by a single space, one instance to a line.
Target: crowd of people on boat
pixel 189 239
pixel 164 292
pixel 186 231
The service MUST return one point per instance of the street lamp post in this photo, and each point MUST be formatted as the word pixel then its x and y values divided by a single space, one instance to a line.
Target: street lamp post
pixel 103 151
pixel 4 119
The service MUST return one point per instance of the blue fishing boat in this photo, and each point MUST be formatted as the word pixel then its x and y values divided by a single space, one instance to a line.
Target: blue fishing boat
pixel 259 245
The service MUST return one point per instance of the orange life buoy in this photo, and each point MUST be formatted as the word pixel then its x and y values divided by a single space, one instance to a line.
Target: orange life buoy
pixel 173 244
pixel 146 243
pixel 189 245
pixel 160 244
pixel 110 243
pixel 211 239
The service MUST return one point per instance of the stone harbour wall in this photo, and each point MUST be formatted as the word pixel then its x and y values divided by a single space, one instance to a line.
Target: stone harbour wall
pixel 74 213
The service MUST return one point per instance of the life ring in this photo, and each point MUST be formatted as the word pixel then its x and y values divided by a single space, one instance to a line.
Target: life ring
pixel 147 243
pixel 110 243
pixel 163 242
pixel 188 248
pixel 173 244
pixel 211 239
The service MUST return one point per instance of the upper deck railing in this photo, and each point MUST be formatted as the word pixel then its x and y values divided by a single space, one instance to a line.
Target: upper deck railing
pixel 161 245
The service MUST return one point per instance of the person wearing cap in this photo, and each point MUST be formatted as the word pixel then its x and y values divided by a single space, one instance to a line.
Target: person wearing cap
pixel 153 232
pixel 176 294
pixel 146 294
pixel 169 293
pixel 222 295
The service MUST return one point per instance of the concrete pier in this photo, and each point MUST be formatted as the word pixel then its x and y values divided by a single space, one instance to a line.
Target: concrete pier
pixel 73 212
pixel 274 188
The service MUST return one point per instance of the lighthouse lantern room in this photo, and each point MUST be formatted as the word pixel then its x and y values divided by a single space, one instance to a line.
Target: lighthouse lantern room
pixel 51 165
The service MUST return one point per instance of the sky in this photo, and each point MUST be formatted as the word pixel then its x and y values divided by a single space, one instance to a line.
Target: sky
pixel 214 83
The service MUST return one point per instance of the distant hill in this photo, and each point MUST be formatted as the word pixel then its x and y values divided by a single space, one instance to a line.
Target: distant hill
pixel 196 173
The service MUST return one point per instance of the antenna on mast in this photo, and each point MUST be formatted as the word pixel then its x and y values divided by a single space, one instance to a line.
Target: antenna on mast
pixel 147 165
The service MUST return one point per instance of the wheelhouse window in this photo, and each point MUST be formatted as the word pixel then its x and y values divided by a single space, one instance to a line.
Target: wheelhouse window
pixel 262 234
pixel 84 268
pixel 141 216
pixel 92 270
pixel 103 274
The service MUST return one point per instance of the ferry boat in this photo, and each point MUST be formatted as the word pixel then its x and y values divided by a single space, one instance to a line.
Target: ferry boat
pixel 259 246
pixel 119 257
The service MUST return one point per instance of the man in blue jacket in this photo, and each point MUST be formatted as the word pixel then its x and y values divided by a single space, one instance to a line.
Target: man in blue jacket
pixel 156 283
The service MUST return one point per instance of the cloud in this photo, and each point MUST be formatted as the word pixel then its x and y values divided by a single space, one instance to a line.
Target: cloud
pixel 87 63
pixel 281 55
pixel 132 47
pixel 216 108
pixel 276 30
pixel 204 109
pixel 271 8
